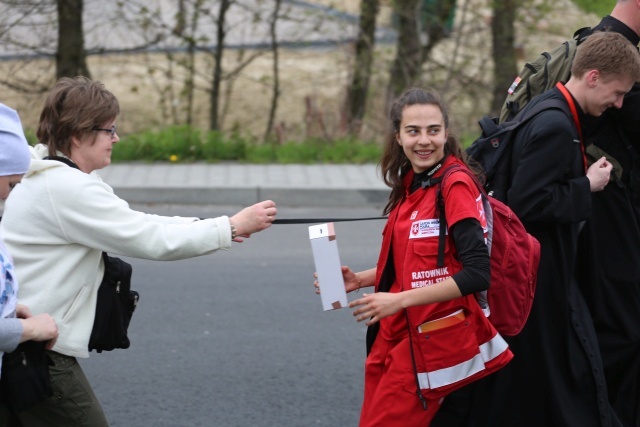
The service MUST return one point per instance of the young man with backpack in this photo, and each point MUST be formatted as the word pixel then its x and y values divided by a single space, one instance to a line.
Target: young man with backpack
pixel 556 378
pixel 609 257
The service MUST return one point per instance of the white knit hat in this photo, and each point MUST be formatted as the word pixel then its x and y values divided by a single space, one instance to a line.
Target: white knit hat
pixel 14 149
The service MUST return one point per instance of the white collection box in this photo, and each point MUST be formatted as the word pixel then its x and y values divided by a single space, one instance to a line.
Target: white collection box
pixel 327 262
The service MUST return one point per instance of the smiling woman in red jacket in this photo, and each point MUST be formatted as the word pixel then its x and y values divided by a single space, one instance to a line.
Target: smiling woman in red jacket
pixel 427 334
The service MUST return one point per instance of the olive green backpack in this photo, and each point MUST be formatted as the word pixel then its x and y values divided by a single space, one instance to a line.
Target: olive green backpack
pixel 541 75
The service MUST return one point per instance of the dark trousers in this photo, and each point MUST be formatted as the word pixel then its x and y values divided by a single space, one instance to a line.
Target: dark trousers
pixel 73 403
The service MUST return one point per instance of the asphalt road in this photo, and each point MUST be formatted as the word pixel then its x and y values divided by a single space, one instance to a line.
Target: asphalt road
pixel 239 338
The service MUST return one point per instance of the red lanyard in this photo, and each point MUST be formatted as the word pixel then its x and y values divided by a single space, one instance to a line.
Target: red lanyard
pixel 576 120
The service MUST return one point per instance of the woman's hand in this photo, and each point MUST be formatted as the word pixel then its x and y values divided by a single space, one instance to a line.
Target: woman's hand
pixel 382 304
pixel 22 311
pixel 41 327
pixel 376 306
pixel 352 281
pixel 253 219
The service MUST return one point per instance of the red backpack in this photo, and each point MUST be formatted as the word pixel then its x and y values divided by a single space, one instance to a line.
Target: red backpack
pixel 514 254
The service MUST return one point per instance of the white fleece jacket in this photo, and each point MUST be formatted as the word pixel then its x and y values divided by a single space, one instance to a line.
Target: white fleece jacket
pixel 57 222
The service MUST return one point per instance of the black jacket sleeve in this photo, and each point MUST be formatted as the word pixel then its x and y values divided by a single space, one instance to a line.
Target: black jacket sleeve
pixel 468 238
pixel 549 184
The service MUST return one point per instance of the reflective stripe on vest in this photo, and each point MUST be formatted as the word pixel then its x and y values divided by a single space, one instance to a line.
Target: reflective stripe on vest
pixel 442 377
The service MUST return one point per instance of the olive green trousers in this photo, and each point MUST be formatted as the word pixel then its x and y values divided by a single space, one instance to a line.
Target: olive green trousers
pixel 73 403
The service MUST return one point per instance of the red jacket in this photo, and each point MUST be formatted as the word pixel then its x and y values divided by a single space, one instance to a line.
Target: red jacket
pixel 453 352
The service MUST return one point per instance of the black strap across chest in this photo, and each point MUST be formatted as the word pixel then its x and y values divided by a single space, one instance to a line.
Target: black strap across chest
pixel 64 160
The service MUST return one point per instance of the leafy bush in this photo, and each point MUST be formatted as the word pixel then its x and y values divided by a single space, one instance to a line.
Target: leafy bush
pixel 185 144
pixel 215 146
pixel 178 143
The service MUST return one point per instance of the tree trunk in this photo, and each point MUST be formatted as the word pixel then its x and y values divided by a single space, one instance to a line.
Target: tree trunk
pixel 504 54
pixel 357 91
pixel 405 69
pixel 189 84
pixel 276 77
pixel 217 69
pixel 436 16
pixel 71 59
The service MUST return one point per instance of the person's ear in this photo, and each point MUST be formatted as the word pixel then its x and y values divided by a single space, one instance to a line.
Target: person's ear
pixel 75 142
pixel 592 77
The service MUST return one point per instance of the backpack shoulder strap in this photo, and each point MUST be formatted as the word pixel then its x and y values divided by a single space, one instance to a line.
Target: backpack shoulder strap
pixel 489 127
pixel 548 104
pixel 582 33
pixel 442 221
pixel 552 103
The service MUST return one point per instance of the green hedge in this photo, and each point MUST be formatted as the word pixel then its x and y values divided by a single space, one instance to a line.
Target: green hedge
pixel 186 144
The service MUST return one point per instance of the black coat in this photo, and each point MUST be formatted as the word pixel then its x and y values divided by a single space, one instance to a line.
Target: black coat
pixel 556 377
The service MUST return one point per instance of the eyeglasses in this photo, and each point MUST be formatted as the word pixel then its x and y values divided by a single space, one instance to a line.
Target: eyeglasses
pixel 112 131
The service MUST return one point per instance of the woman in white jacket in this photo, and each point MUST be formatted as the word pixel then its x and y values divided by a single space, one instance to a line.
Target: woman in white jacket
pixel 61 219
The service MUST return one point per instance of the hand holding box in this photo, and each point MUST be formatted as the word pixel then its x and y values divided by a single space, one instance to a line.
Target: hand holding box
pixel 327 262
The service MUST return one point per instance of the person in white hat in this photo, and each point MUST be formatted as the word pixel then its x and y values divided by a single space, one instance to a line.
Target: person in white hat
pixel 16 322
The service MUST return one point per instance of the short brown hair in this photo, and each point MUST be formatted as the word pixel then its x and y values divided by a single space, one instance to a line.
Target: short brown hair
pixel 72 109
pixel 608 52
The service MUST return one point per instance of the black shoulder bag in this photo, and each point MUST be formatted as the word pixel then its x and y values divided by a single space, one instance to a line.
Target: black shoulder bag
pixel 116 301
pixel 115 306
